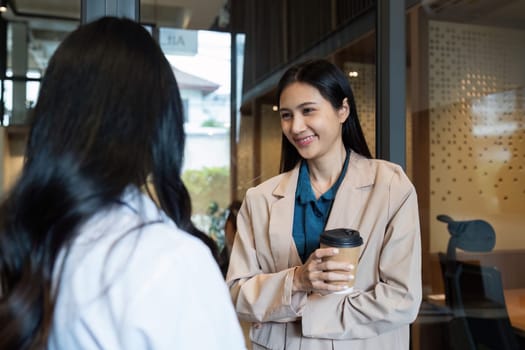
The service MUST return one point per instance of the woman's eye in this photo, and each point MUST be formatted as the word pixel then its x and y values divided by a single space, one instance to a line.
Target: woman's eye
pixel 286 115
pixel 307 110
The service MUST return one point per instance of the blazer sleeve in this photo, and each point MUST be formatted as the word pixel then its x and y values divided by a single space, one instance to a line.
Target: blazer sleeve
pixel 394 301
pixel 259 292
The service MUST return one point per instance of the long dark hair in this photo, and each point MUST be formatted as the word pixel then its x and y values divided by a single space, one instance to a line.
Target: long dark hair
pixel 109 114
pixel 334 86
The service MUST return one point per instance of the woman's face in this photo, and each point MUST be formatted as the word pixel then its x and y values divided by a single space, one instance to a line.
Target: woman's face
pixel 310 122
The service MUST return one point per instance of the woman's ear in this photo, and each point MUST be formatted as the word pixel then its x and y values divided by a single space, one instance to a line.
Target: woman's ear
pixel 344 111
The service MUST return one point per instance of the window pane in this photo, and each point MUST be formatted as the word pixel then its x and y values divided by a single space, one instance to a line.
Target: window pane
pixel 201 63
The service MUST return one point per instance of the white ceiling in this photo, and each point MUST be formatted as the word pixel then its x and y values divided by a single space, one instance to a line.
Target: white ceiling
pixel 189 14
pixel 50 20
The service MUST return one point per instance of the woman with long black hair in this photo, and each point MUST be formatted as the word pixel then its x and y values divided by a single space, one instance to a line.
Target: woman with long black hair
pixel 87 259
pixel 278 275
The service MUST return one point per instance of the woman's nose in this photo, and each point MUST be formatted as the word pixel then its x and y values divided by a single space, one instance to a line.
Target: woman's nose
pixel 298 124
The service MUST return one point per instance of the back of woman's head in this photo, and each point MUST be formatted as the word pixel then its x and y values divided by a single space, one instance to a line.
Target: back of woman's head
pixel 108 116
pixel 334 86
pixel 106 96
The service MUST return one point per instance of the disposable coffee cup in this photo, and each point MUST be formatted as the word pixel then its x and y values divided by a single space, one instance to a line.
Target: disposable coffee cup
pixel 348 242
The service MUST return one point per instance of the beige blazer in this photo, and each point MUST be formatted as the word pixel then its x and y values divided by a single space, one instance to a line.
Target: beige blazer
pixel 378 200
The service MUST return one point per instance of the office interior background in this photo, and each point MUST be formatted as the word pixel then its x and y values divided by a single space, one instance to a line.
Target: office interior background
pixel 439 87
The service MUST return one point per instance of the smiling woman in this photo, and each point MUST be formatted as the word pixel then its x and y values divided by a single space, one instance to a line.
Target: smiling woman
pixel 278 276
pixel 308 119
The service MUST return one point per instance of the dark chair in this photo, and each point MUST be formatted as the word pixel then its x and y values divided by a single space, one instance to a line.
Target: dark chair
pixel 474 293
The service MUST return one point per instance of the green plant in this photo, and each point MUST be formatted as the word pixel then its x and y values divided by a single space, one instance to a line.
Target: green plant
pixel 212 123
pixel 207 185
pixel 209 190
pixel 216 224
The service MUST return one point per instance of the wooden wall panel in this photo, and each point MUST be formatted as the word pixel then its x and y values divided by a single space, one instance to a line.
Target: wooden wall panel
pixel 278 31
pixel 346 10
pixel 262 21
pixel 308 22
pixel 268 36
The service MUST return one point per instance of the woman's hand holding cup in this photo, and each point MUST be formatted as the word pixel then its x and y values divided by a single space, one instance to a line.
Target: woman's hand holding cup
pixel 320 274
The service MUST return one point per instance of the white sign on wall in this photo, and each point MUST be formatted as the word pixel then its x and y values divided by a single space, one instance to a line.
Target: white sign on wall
pixel 178 41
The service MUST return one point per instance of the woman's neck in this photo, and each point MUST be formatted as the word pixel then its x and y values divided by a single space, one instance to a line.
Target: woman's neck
pixel 325 171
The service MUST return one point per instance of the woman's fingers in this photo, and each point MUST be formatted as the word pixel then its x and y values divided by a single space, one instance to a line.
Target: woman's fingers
pixel 337 276
pixel 324 252
pixel 331 265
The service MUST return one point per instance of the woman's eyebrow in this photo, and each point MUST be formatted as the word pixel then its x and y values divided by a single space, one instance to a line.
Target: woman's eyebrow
pixel 307 103
pixel 301 105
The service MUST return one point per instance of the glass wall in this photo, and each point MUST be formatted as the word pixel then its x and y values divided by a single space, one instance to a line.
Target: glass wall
pixel 29 45
pixel 466 108
pixel 476 112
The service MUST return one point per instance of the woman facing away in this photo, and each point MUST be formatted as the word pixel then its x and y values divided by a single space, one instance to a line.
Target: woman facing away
pixel 87 259
pixel 277 276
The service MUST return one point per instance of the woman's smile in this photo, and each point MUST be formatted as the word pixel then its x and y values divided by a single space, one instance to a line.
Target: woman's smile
pixel 304 141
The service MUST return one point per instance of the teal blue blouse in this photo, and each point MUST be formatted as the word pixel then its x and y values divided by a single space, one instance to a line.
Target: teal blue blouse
pixel 311 214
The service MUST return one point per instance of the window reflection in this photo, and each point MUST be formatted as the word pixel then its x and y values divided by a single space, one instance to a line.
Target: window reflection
pixel 466 105
pixel 475 93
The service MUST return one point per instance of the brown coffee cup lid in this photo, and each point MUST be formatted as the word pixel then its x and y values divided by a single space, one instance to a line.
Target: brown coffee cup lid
pixel 341 237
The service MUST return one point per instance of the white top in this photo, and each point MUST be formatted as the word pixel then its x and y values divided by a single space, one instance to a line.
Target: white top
pixel 133 280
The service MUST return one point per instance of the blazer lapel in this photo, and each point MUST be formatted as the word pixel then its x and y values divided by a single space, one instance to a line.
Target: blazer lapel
pixel 281 222
pixel 347 208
